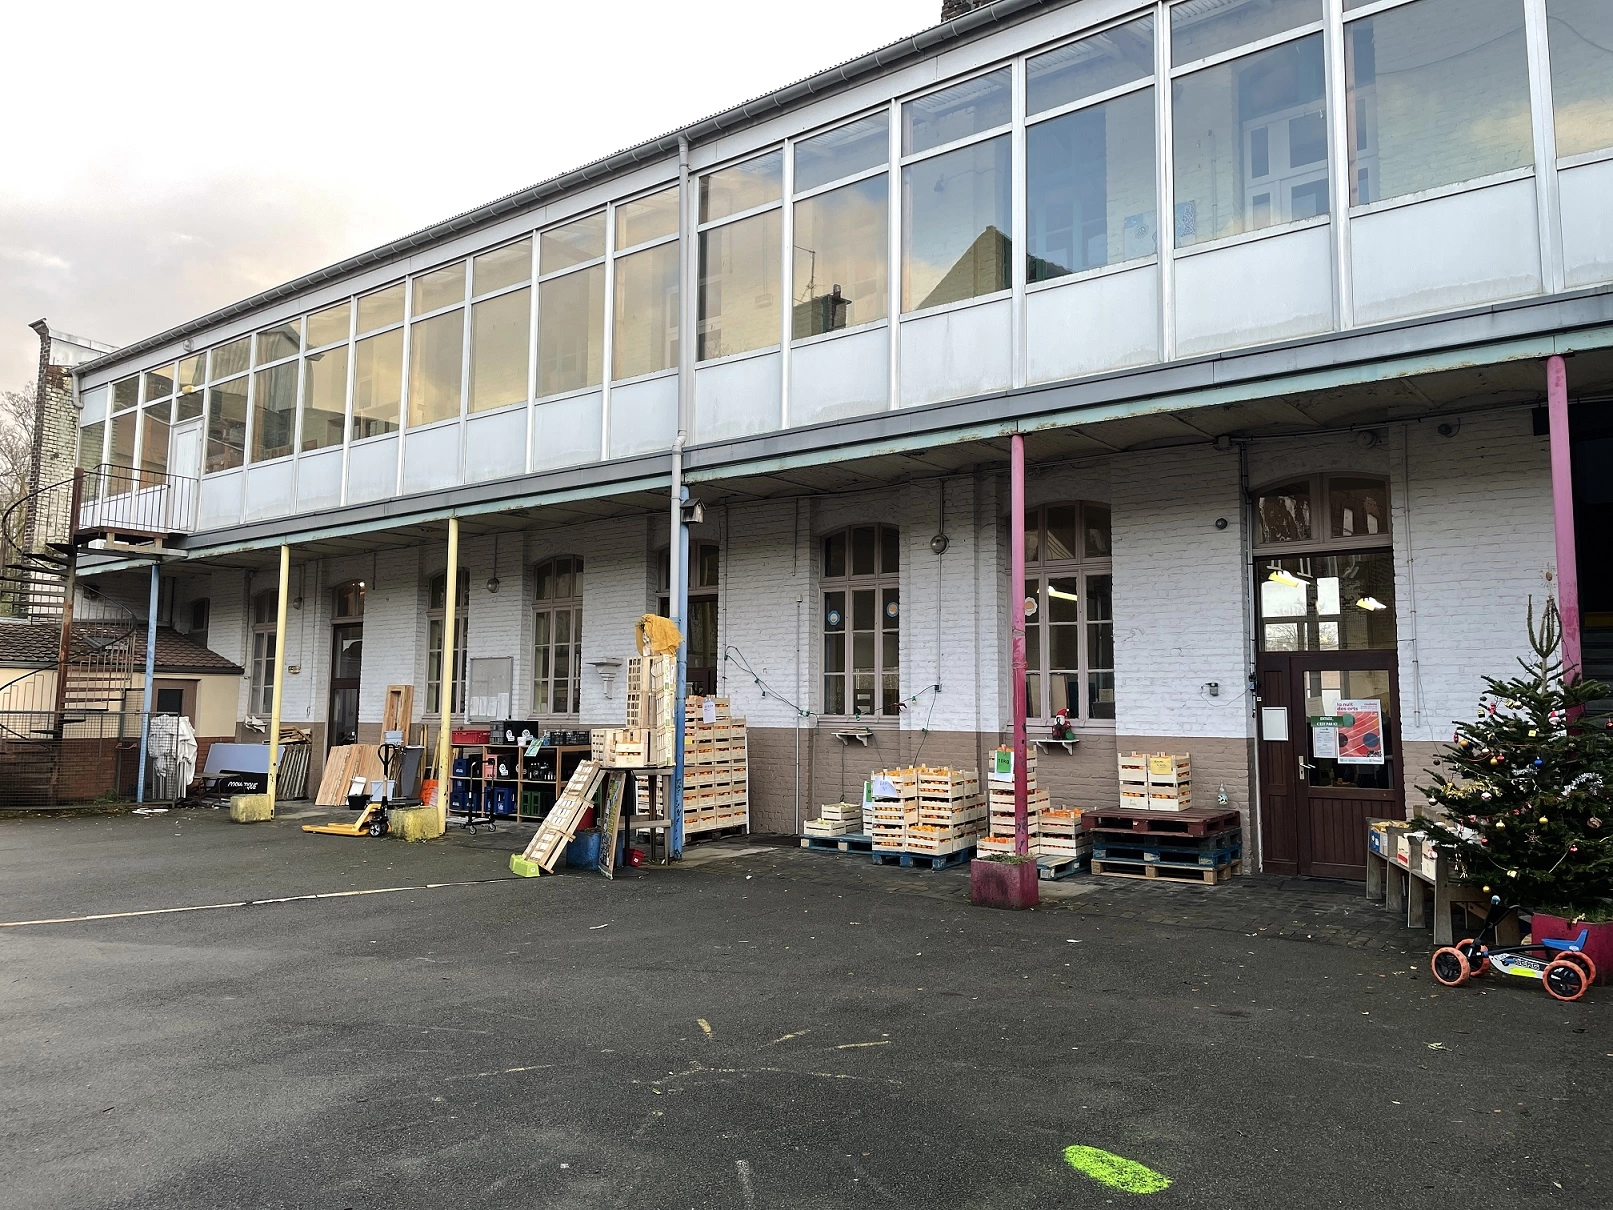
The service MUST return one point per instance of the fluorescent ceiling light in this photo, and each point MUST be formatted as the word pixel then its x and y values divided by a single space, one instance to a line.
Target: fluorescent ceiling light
pixel 1063 596
pixel 1284 578
pixel 1370 604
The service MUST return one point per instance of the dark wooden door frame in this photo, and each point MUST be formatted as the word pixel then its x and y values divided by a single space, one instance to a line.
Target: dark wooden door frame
pixel 1280 762
pixel 339 683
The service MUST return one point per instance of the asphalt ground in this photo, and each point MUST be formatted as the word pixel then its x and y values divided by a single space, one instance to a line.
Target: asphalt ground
pixel 761 1027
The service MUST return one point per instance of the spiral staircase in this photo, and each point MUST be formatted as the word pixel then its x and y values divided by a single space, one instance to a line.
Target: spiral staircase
pixel 86 647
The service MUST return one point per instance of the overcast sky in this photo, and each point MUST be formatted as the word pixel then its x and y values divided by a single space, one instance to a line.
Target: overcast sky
pixel 162 159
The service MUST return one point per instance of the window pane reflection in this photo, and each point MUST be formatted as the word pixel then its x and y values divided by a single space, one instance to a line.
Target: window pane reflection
pixel 1093 65
pixel 842 152
pixel 1203 29
pixel 1581 36
pixel 154 443
pixel 576 243
pixel 435 369
pixel 324 399
pixel 284 340
pixel 841 257
pixel 1438 92
pixel 742 187
pixel 381 309
pixel 226 425
pixel 501 267
pixel 646 305
pixel 971 107
pixel 739 286
pixel 1251 143
pixel 1090 187
pixel 1327 602
pixel 329 326
pixel 226 360
pixel 958 225
pixel 571 331
pixel 1284 513
pixel 377 384
pixel 653 217
pixel 500 341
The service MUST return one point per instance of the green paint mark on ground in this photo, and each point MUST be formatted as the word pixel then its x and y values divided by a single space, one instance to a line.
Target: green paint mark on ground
pixel 1116 1171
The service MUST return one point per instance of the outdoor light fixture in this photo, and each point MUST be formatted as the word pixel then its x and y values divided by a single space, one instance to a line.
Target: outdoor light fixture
pixel 1370 604
pixel 492 583
pixel 1286 579
pixel 939 544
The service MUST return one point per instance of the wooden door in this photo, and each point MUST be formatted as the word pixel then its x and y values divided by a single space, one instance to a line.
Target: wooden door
pixel 1338 764
pixel 346 667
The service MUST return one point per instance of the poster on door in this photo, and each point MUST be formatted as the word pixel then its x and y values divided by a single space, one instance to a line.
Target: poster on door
pixel 1360 733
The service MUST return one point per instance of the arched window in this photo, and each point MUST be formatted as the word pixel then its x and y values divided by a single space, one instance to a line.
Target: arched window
pixel 700 626
pixel 436 614
pixel 862 614
pixel 1069 629
pixel 1324 564
pixel 264 607
pixel 557 636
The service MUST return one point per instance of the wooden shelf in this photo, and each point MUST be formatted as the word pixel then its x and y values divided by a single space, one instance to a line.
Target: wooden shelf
pixel 565 759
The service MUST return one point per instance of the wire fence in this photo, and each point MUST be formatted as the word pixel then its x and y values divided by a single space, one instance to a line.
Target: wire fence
pixel 79 758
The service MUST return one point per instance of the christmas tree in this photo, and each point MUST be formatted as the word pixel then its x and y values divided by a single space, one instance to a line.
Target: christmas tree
pixel 1529 812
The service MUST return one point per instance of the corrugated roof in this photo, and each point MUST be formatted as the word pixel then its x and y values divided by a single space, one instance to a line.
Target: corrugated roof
pixel 823 83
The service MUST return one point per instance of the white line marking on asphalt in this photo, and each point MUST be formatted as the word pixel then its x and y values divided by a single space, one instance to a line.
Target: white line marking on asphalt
pixel 859 1045
pixel 213 907
pixel 745 1184
pixel 789 1037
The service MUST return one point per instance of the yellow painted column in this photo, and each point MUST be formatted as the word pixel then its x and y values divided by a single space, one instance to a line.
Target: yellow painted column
pixel 279 673
pixel 445 706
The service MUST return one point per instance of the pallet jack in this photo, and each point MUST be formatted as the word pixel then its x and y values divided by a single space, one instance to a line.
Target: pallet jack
pixel 400 769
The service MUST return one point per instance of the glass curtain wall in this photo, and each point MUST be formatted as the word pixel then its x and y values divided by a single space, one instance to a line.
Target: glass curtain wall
pixel 957 193
pixel 741 261
pixel 841 253
pixel 324 378
pixel 378 363
pixel 644 320
pixel 437 345
pixel 571 306
pixel 1089 153
pixel 1580 35
pixel 1249 130
pixel 501 326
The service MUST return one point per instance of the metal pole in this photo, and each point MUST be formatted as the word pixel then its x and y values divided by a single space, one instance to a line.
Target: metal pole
pixel 678 582
pixel 151 679
pixel 64 648
pixel 279 674
pixel 1562 505
pixel 1016 599
pixel 445 701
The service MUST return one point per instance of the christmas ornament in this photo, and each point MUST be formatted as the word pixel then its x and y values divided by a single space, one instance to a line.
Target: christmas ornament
pixel 1500 825
pixel 1593 822
pixel 1543 819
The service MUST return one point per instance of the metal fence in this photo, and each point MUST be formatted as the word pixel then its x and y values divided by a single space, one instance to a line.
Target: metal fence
pixel 122 500
pixel 79 758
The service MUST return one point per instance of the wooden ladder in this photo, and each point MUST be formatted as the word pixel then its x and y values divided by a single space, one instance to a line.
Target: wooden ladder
pixel 559 826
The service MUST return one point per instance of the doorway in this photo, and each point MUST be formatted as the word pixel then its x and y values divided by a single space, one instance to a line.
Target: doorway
pixel 701 627
pixel 346 663
pixel 1329 758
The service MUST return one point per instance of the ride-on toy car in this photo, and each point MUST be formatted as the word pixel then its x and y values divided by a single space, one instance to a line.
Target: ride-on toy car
pixel 1562 967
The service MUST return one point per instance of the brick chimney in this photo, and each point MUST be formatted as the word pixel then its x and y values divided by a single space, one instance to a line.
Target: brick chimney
pixel 957 8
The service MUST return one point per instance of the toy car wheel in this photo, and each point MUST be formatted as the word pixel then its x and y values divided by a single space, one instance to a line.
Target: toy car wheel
pixel 1581 960
pixel 1564 980
pixel 1473 950
pixel 377 828
pixel 1450 966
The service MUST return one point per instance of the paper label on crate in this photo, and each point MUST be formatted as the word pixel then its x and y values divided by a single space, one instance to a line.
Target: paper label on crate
pixel 708 710
pixel 883 787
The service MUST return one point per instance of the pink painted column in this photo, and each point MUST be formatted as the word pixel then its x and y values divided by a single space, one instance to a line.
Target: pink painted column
pixel 1562 504
pixel 1016 605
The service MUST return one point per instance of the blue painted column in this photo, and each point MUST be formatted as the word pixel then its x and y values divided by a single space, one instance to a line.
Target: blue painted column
pixel 680 688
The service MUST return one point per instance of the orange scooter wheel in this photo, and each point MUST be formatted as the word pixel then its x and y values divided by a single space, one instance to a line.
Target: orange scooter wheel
pixel 1581 960
pixel 1564 980
pixel 1450 966
pixel 1466 945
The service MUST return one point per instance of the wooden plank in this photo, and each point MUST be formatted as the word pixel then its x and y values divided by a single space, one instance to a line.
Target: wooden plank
pixel 559 826
pixel 398 710
pixel 611 822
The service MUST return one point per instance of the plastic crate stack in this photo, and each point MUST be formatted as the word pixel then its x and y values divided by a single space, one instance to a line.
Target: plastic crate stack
pixel 1155 782
pixel 1001 793
pixel 951 812
pixel 716 767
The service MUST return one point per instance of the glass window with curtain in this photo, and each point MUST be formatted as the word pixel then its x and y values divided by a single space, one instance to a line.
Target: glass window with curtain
pixel 274 411
pixel 436 616
pixel 646 305
pixel 842 257
pixel 1251 142
pixel 500 348
pixel 957 225
pixel 377 384
pixel 1580 33
pixel 436 368
pixel 1437 93
pixel 1090 188
pixel 557 636
pixel 571 331
pixel 226 425
pixel 324 397
pixel 861 592
pixel 739 285
pixel 1069 629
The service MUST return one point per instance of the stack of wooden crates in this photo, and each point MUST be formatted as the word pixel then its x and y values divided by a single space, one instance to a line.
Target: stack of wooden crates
pixel 1155 782
pixel 716 767
pixel 1001 780
pixel 919 809
pixel 647 740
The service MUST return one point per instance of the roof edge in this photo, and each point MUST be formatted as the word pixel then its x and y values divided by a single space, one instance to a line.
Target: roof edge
pixel 999 13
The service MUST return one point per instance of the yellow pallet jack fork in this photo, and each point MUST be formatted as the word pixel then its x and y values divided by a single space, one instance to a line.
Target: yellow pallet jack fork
pixel 371 822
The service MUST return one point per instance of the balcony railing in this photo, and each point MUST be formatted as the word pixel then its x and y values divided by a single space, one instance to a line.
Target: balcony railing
pixel 120 501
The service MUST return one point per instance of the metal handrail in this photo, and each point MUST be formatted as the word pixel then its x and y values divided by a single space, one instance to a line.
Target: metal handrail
pixel 137 502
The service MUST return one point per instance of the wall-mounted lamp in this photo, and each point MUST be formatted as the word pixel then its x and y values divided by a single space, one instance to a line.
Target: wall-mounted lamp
pixel 939 544
pixel 1220 522
pixel 492 583
pixel 297 603
pixel 1213 688
pixel 607 670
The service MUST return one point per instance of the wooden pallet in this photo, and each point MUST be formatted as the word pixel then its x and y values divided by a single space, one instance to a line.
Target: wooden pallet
pixel 1051 868
pixel 1166 873
pixel 1200 822
pixel 925 861
pixel 855 843
pixel 1107 847
pixel 559 826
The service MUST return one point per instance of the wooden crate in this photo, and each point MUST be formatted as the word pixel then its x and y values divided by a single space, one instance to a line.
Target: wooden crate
pixel 1170 798
pixel 830 827
pixel 987 845
pixel 1000 770
pixel 952 813
pixel 650 679
pixel 1002 799
pixel 1167 770
pixel 842 810
pixel 947 784
pixel 895 812
pixel 1061 823
pixel 1133 768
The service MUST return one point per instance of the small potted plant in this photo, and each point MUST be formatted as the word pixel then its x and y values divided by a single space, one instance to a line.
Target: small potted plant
pixel 1531 817
pixel 1004 880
